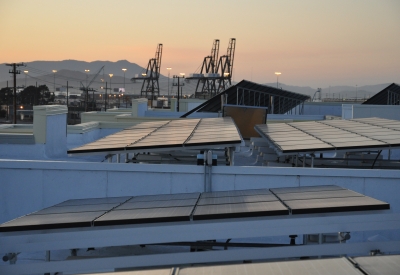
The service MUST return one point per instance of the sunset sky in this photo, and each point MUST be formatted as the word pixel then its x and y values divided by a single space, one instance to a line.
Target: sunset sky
pixel 312 42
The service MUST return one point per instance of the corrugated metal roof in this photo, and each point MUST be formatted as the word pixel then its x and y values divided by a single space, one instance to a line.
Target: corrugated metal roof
pixel 247 93
pixel 388 96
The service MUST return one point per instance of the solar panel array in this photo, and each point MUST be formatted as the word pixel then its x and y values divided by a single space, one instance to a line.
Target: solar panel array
pixel 171 134
pixel 195 206
pixel 327 135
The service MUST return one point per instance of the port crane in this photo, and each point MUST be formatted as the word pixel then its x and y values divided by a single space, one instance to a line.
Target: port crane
pixel 215 74
pixel 151 75
pixel 207 79
pixel 225 66
pixel 318 99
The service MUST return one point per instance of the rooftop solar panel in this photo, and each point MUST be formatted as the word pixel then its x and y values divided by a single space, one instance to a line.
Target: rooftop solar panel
pixel 327 135
pixel 76 208
pixel 157 204
pixel 237 199
pixel 239 210
pixel 306 189
pixel 335 205
pixel 379 265
pixel 94 201
pixel 183 207
pixel 235 193
pixel 146 215
pixel 308 267
pixel 166 197
pixel 167 134
pixel 51 221
pixel 318 195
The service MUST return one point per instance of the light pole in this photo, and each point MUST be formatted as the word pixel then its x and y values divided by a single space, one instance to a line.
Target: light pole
pixel 169 69
pixel 124 77
pixel 111 75
pixel 26 73
pixel 54 72
pixel 277 79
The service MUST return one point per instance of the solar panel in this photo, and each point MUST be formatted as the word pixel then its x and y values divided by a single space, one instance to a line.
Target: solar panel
pixel 327 135
pixel 239 210
pixel 157 204
pixel 148 215
pixel 165 197
pixel 335 205
pixel 196 206
pixel 379 265
pixel 234 193
pixel 319 195
pixel 51 221
pixel 94 201
pixel 300 267
pixel 237 199
pixel 306 189
pixel 172 134
pixel 76 208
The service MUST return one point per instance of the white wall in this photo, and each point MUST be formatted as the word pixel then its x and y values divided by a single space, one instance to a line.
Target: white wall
pixel 351 111
pixel 323 108
pixel 27 186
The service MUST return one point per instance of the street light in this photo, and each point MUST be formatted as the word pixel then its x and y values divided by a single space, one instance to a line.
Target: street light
pixel 111 75
pixel 124 77
pixel 277 79
pixel 26 73
pixel 54 72
pixel 169 69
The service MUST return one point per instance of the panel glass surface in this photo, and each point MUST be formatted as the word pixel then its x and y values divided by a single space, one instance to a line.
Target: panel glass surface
pixel 51 221
pixel 237 199
pixel 239 210
pixel 157 204
pixel 335 205
pixel 234 193
pixel 147 215
pixel 318 195
pixel 167 134
pixel 306 189
pixel 327 135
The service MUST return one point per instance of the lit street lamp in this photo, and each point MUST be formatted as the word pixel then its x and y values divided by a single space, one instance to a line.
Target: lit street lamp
pixel 277 79
pixel 26 73
pixel 111 75
pixel 54 72
pixel 124 77
pixel 169 69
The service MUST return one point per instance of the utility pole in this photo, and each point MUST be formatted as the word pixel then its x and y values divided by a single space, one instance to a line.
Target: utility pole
pixel 179 85
pixel 14 71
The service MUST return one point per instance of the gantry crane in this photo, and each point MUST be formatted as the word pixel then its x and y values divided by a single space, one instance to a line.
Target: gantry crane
pixel 225 66
pixel 151 75
pixel 215 75
pixel 208 70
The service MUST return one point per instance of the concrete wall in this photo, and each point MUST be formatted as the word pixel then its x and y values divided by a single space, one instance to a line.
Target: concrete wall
pixel 323 108
pixel 351 111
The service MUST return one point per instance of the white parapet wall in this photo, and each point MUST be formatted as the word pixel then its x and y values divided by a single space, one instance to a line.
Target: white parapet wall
pixel 139 107
pixel 28 186
pixel 350 111
pixel 47 138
